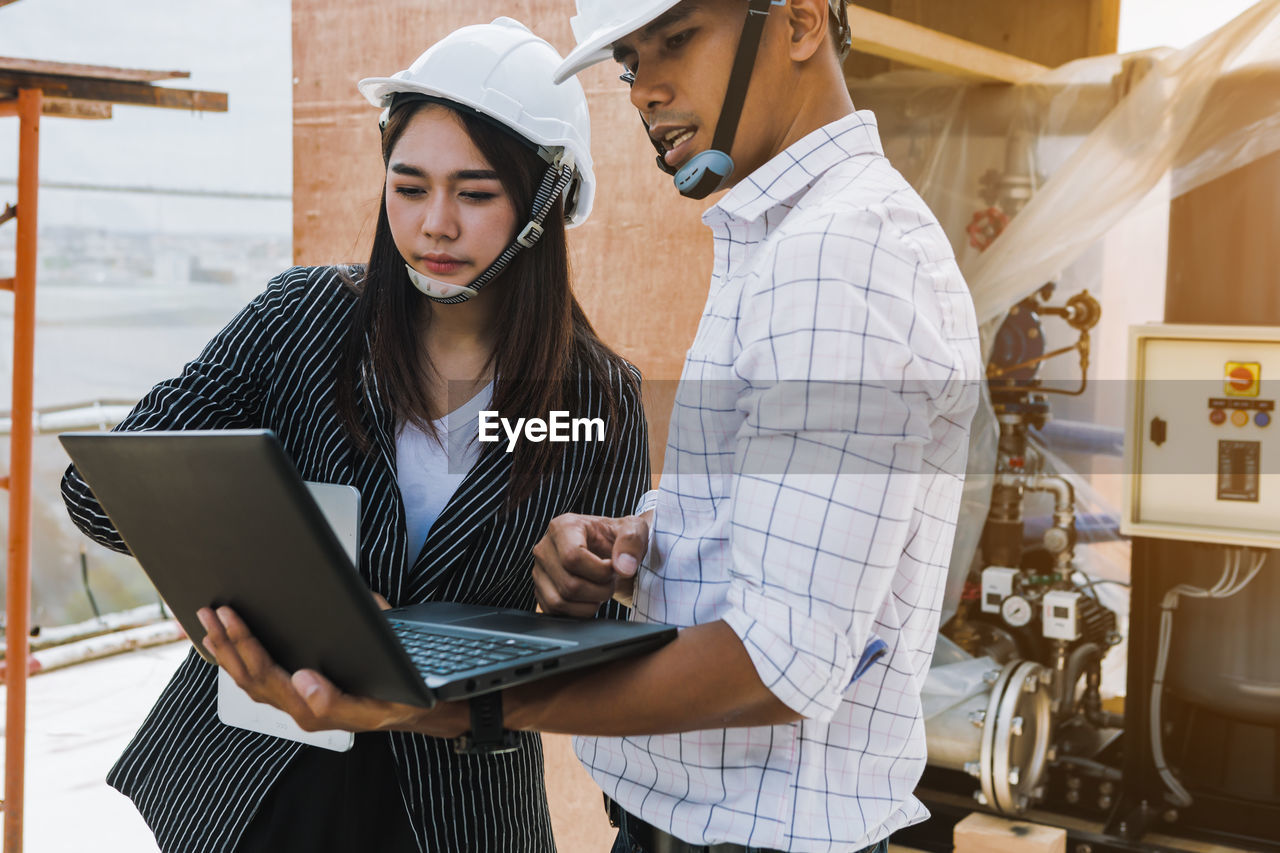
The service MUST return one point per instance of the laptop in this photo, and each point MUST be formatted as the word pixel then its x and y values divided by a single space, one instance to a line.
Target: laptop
pixel 222 517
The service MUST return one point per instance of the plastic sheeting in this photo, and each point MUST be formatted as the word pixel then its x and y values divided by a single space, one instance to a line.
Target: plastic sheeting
pixel 1066 159
pixel 1098 134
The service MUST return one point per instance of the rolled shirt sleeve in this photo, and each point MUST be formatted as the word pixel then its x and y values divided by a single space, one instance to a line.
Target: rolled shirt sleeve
pixel 836 414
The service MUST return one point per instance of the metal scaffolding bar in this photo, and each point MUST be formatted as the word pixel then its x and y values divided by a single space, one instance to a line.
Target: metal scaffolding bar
pixel 18 624
pixel 28 89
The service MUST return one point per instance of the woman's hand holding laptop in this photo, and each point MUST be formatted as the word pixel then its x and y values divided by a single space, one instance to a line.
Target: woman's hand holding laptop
pixel 311 699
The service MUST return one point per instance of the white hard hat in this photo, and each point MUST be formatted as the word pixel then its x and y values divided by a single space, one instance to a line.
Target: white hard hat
pixel 599 23
pixel 504 71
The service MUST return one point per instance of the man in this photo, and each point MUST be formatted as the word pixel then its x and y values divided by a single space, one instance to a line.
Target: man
pixel 803 526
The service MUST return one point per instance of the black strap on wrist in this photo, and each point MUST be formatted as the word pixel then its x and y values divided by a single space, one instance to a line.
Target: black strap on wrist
pixel 487 736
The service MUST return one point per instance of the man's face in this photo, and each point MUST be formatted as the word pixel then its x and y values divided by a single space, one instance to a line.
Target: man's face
pixel 681 62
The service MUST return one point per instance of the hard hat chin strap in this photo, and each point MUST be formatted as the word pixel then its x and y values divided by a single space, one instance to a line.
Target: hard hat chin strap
pixel 708 171
pixel 554 182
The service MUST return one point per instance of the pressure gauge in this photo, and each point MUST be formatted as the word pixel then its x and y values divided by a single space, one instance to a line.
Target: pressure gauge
pixel 1016 611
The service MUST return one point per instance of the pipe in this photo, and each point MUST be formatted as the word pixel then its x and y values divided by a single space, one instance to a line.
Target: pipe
pixel 95 415
pixel 1064 496
pixel 1093 711
pixel 1071 674
pixel 1082 437
pixel 1091 527
pixel 30 104
pixel 1064 516
pixel 105 645
pixel 1092 768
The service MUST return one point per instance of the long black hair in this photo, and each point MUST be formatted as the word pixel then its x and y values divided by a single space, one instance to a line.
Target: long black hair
pixel 543 338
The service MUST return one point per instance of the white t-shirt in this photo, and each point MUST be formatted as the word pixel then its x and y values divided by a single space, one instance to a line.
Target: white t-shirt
pixel 429 472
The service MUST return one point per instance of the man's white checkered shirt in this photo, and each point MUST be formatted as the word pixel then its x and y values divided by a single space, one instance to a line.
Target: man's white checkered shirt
pixel 812 481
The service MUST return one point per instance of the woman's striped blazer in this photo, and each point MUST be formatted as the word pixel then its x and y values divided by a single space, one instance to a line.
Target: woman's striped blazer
pixel 198 782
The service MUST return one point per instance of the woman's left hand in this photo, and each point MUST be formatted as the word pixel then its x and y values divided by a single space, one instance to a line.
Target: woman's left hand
pixel 311 699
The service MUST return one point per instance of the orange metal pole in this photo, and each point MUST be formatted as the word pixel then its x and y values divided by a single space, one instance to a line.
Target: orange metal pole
pixel 18 625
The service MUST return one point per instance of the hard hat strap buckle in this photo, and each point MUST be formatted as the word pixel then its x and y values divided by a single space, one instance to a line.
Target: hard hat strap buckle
pixel 529 237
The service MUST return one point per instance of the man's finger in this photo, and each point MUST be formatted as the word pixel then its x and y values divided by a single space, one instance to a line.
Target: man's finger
pixel 553 601
pixel 567 578
pixel 568 539
pixel 630 544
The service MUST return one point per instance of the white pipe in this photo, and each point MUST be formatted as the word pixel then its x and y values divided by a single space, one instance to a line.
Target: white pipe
pixel 108 644
pixel 96 415
pixel 57 635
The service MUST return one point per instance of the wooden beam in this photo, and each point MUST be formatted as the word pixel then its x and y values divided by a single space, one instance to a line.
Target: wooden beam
pixel 7 2
pixel 8 108
pixel 64 108
pixel 112 92
pixel 902 41
pixel 1104 27
pixel 98 72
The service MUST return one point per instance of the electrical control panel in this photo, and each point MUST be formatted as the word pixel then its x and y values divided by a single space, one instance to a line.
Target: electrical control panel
pixel 1202 448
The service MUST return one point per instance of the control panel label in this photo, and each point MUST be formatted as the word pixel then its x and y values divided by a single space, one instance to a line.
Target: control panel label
pixel 1239 469
pixel 1237 403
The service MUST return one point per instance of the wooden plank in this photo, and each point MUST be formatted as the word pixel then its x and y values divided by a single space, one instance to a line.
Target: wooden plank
pixel 859 65
pixel 1050 32
pixel 6 3
pixel 1104 27
pixel 97 72
pixel 64 108
pixel 988 110
pixel 984 833
pixel 1223 252
pixel 112 92
pixel 8 108
pixel 902 41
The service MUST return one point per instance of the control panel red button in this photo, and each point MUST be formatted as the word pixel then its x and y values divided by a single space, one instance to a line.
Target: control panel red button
pixel 1241 378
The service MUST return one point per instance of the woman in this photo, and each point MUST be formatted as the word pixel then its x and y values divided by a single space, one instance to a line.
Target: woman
pixel 464 304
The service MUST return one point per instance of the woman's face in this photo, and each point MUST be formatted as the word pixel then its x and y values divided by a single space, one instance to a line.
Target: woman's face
pixel 450 216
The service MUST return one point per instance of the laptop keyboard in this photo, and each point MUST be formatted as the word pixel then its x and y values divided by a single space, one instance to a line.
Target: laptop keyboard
pixel 440 653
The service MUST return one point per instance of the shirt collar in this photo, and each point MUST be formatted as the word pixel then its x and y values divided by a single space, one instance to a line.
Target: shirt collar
pixel 794 170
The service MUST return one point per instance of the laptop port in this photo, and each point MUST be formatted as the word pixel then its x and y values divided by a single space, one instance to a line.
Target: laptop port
pixel 550 665
pixel 524 670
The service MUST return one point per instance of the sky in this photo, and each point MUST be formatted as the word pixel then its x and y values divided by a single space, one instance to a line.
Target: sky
pixel 242 47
